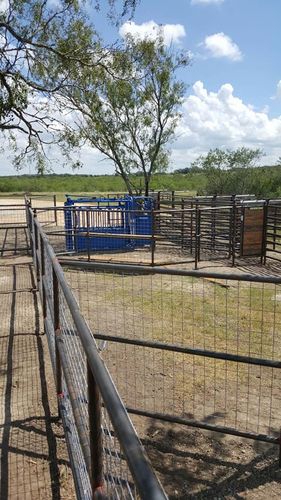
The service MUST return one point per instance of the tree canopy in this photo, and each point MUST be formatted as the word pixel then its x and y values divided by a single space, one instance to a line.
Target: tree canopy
pixel 43 46
pixel 130 110
pixel 228 171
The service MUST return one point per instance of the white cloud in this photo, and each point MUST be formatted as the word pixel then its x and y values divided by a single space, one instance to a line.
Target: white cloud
pixel 171 33
pixel 209 120
pixel 206 2
pixel 221 45
pixel 4 5
pixel 220 119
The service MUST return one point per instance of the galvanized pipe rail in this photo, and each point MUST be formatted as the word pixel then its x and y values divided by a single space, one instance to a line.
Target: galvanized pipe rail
pixel 99 380
pixel 210 231
pixel 167 346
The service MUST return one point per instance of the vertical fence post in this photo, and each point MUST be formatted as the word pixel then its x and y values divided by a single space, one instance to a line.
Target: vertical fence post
pixel 36 246
pixel 158 200
pixel 153 242
pixel 29 223
pixel 42 272
pixel 55 209
pixel 197 236
pixel 232 229
pixel 96 448
pixel 213 222
pixel 274 228
pixel 264 232
pixel 88 234
pixel 182 224
pixel 191 228
pixel 173 199
pixel 56 312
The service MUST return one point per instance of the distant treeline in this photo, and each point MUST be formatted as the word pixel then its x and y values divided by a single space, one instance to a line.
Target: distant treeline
pixel 261 181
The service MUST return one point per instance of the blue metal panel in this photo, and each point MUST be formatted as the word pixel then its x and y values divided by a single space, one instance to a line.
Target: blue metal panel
pixel 127 215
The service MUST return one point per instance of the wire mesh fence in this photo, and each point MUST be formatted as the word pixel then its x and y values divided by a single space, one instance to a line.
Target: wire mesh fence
pixel 106 455
pixel 200 230
pixel 194 349
pixel 14 238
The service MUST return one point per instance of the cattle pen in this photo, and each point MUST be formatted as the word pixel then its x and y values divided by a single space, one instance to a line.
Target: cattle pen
pixel 152 353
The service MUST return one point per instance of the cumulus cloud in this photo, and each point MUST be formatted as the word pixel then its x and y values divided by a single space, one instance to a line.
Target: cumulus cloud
pixel 221 45
pixel 4 5
pixel 206 2
pixel 171 33
pixel 209 120
pixel 221 119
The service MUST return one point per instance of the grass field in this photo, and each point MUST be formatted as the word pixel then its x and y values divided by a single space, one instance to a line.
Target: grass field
pixel 93 184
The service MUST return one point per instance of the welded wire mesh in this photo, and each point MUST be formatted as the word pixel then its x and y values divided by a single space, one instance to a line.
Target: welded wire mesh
pixel 79 413
pixel 14 237
pixel 227 316
pixel 11 215
pixel 118 480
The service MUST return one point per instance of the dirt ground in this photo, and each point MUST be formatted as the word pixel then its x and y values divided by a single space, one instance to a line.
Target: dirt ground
pixel 34 460
pixel 191 464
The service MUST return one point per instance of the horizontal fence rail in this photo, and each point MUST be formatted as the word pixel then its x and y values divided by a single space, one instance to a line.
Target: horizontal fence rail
pixel 196 348
pixel 246 228
pixel 107 458
pixel 14 237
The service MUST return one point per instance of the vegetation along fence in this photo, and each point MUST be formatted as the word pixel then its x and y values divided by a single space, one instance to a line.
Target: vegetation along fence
pixel 189 347
pixel 106 456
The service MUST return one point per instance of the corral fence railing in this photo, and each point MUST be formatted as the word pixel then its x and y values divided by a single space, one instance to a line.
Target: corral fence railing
pixel 179 199
pixel 43 200
pixel 168 236
pixel 107 458
pixel 189 347
pixel 14 235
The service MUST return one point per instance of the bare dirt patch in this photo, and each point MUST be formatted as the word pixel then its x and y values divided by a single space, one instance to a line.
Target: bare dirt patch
pixel 34 460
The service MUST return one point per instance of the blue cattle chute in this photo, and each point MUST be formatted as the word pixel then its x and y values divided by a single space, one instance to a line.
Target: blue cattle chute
pixel 128 215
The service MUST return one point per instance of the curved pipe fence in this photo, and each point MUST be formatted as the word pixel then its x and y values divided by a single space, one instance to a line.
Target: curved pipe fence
pixel 107 458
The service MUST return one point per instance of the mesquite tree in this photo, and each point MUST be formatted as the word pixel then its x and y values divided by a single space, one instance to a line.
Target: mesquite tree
pixel 44 45
pixel 129 111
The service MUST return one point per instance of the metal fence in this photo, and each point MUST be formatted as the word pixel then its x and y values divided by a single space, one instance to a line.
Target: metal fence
pixel 106 456
pixel 14 238
pixel 188 347
pixel 250 228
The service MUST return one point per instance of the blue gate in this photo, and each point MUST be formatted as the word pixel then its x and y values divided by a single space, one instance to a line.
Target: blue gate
pixel 89 222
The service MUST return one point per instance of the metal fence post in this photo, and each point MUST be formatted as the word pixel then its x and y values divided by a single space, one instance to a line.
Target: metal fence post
pixel 197 231
pixel 88 234
pixel 42 273
pixel 182 224
pixel 264 235
pixel 96 448
pixel 173 199
pixel 232 228
pixel 56 312
pixel 35 247
pixel 55 209
pixel 274 228
pixel 191 228
pixel 153 242
pixel 158 200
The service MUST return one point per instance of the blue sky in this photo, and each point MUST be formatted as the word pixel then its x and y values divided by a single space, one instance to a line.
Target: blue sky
pixel 233 98
pixel 254 25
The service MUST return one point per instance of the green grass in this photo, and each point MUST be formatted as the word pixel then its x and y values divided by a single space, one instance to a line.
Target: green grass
pixel 73 184
pixel 242 318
